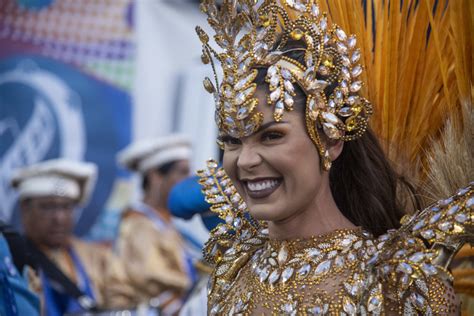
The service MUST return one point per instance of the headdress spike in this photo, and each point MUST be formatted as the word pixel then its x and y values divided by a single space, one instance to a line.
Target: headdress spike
pixel 268 35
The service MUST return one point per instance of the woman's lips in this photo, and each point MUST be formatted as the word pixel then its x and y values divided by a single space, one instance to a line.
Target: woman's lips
pixel 261 188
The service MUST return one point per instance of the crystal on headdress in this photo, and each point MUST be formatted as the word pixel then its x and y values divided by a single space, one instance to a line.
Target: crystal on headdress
pixel 341 35
pixel 289 101
pixel 323 70
pixel 345 73
pixel 355 56
pixel 272 70
pixel 351 42
pixel 208 85
pixel 317 85
pixel 315 10
pixel 286 74
pixel 246 80
pixel 461 218
pixel 274 81
pixel 255 35
pixel 330 118
pixel 242 113
pixel 278 112
pixel 356 71
pixel 323 23
pixel 304 270
pixel 275 95
pixel 274 276
pixel 243 95
pixel 351 100
pixel 289 87
pixel 323 267
pixel 342 48
pixel 345 60
pixel 355 86
pixel 313 110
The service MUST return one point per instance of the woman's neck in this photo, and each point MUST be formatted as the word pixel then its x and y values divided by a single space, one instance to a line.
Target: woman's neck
pixel 321 217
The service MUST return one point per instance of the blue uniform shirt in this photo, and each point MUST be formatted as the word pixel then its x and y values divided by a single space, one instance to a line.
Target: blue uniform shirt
pixel 15 297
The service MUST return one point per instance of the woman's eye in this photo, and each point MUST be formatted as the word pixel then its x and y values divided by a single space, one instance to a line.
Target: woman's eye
pixel 228 140
pixel 271 135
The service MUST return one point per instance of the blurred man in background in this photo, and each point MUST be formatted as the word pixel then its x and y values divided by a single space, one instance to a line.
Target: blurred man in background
pixel 71 275
pixel 151 248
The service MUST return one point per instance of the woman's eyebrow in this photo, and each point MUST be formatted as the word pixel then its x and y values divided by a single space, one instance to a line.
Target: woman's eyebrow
pixel 269 124
pixel 261 128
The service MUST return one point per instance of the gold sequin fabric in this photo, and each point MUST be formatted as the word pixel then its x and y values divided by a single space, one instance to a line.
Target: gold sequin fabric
pixel 345 272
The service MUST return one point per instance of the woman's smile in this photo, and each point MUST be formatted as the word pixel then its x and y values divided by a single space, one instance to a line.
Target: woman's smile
pixel 259 188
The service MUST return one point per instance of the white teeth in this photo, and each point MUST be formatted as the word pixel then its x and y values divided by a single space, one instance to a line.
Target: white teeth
pixel 261 185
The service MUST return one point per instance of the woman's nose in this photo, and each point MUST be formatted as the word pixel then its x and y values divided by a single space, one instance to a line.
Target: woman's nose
pixel 249 157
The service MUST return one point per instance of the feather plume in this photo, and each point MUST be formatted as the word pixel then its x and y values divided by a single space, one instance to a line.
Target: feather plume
pixel 451 157
pixel 419 60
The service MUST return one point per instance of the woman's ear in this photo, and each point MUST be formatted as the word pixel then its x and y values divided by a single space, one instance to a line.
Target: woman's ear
pixel 334 148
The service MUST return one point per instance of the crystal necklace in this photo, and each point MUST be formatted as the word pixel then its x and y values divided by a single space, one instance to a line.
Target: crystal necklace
pixel 280 261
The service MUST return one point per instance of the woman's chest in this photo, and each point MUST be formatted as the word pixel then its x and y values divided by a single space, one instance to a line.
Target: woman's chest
pixel 312 279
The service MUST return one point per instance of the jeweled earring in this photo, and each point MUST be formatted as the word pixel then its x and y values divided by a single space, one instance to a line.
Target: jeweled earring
pixel 327 162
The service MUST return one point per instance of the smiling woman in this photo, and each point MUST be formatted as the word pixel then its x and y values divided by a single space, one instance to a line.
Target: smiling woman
pixel 359 189
pixel 324 233
pixel 268 167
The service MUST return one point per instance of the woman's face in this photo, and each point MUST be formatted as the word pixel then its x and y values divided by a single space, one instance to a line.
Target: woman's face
pixel 277 169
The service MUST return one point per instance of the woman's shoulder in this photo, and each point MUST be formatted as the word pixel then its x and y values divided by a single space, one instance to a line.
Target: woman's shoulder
pixel 439 230
pixel 412 263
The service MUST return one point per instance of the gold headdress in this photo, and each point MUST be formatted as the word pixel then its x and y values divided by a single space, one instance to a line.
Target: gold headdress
pixel 266 35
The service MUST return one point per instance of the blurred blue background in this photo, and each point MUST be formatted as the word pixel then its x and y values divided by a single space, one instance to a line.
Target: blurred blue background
pixel 82 79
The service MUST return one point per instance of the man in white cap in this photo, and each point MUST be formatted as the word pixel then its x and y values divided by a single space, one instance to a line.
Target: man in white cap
pixel 151 248
pixel 71 273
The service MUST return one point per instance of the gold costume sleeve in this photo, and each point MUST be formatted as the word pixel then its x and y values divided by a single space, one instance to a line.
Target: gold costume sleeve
pixel 152 260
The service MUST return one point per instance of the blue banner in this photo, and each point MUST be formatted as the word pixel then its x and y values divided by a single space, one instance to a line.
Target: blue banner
pixel 48 110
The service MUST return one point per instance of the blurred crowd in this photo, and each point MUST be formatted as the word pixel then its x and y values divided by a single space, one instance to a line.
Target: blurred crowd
pixel 149 269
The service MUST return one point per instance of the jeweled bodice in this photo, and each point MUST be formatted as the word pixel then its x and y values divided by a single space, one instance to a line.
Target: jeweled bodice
pixel 345 272
pixel 315 275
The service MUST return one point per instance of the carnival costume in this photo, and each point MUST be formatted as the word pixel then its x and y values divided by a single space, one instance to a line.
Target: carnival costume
pixel 345 272
pixel 156 262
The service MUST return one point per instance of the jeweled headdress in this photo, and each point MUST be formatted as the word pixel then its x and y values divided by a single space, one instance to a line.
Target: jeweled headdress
pixel 265 35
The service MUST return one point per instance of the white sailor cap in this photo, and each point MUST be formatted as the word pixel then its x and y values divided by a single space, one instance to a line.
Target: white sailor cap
pixel 56 177
pixel 147 154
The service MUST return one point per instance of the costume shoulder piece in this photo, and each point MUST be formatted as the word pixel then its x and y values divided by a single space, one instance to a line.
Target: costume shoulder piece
pixel 231 243
pixel 238 226
pixel 442 228
pixel 413 261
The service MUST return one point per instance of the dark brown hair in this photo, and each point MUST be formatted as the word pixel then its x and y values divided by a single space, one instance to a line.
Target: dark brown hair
pixel 365 186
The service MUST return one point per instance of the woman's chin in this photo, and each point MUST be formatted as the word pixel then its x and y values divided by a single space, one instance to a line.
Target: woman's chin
pixel 262 212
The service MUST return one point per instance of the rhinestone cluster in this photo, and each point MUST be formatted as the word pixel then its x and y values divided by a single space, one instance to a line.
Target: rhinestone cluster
pixel 262 35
